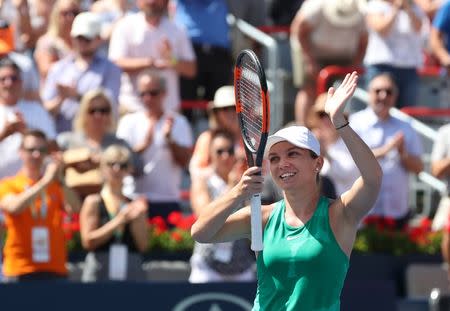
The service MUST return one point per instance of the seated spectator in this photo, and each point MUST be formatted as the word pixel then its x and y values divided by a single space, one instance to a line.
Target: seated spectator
pixel 93 131
pixel 440 168
pixel 395 45
pixel 220 262
pixel 84 70
pixel 440 36
pixel 56 43
pixel 33 202
pixel 338 164
pixel 222 115
pixel 113 227
pixel 324 33
pixel 16 115
pixel 164 141
pixel 395 144
pixel 30 77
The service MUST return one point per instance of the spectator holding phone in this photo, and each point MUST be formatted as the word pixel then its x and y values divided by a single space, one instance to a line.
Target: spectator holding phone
pixel 33 202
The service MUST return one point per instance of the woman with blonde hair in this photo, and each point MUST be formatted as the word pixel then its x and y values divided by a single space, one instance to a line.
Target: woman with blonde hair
pixel 113 227
pixel 56 43
pixel 93 131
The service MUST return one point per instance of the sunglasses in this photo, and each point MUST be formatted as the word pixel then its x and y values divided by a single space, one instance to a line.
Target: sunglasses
pixel 150 93
pixel 229 151
pixel 102 111
pixel 12 78
pixel 69 13
pixel 41 150
pixel 84 39
pixel 388 91
pixel 122 165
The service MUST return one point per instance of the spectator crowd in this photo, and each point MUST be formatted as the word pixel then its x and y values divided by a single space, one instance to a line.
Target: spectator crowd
pixel 92 122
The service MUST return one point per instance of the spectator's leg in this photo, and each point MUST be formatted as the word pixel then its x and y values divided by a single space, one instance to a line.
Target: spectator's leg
pixel 303 102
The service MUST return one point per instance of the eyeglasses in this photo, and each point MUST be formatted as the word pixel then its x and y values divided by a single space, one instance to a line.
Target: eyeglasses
pixel 322 114
pixel 84 39
pixel 150 93
pixel 229 151
pixel 41 150
pixel 388 91
pixel 69 13
pixel 12 78
pixel 121 165
pixel 103 111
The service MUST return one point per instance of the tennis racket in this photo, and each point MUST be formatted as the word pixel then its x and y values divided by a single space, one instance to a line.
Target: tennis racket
pixel 252 108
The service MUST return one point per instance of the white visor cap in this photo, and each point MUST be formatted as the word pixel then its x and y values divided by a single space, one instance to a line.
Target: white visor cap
pixel 299 136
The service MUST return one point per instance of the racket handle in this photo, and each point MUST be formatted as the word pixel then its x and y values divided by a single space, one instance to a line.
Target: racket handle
pixel 256 223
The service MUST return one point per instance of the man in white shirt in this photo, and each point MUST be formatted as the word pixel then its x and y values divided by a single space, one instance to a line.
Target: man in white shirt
pixel 16 115
pixel 395 144
pixel 164 141
pixel 148 39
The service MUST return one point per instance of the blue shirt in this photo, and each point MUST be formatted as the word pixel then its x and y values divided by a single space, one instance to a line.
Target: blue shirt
pixel 205 21
pixel 101 73
pixel 442 23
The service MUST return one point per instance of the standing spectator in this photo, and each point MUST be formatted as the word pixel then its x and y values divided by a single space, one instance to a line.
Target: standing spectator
pixel 164 141
pixel 113 227
pixel 395 45
pixel 229 261
pixel 440 36
pixel 440 168
pixel 93 131
pixel 148 39
pixel 395 144
pixel 430 7
pixel 56 43
pixel 33 202
pixel 17 114
pixel 324 32
pixel 76 74
pixel 207 28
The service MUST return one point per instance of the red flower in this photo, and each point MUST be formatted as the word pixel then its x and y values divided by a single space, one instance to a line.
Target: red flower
pixel 176 236
pixel 174 218
pixel 159 223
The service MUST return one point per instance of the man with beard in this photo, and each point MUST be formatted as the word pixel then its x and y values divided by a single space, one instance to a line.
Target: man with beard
pixel 394 143
pixel 150 40
pixel 82 71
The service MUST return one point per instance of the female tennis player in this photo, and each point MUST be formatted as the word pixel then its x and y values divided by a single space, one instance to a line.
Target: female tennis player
pixel 307 238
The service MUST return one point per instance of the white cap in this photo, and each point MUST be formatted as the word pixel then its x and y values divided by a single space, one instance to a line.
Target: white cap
pixel 299 136
pixel 86 24
pixel 223 97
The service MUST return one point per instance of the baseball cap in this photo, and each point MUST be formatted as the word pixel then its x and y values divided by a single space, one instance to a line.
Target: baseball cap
pixel 86 24
pixel 299 136
pixel 223 98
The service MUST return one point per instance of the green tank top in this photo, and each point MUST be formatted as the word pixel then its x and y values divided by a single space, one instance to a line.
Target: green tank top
pixel 301 268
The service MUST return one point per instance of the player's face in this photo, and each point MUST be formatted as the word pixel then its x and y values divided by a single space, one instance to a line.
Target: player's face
pixel 292 166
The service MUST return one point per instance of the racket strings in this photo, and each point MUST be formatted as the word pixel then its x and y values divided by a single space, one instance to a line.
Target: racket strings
pixel 251 99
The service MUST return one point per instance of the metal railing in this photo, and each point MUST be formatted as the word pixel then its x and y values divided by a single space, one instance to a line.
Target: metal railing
pixel 273 80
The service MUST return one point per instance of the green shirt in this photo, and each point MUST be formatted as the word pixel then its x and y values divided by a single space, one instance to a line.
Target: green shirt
pixel 301 268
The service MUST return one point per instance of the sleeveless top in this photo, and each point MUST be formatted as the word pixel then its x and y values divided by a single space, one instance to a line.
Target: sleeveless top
pixel 301 268
pixel 126 237
pixel 228 258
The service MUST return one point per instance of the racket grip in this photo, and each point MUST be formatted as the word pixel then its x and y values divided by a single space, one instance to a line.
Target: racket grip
pixel 256 223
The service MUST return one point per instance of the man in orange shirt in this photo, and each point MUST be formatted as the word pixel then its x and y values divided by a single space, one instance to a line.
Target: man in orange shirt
pixel 33 202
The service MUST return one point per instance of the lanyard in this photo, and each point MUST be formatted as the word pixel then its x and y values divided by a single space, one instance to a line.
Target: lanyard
pixel 43 207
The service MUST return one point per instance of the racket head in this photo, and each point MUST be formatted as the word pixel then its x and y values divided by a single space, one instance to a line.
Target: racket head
pixel 252 105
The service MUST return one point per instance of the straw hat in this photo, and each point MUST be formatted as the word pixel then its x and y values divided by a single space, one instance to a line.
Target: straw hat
pixel 344 12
